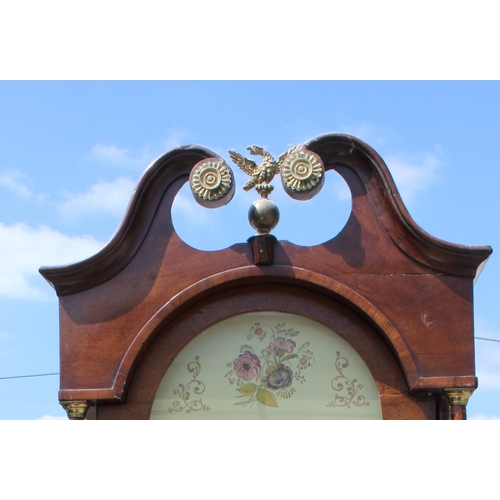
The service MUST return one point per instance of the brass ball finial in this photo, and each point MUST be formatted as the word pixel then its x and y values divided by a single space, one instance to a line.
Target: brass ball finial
pixel 263 215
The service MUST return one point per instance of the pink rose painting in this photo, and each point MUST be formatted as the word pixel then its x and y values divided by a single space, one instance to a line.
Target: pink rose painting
pixel 264 377
pixel 247 366
pixel 285 345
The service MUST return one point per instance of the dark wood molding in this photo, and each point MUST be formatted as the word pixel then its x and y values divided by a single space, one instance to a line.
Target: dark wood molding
pixel 161 175
pixel 236 279
pixel 412 291
pixel 387 204
pixel 334 149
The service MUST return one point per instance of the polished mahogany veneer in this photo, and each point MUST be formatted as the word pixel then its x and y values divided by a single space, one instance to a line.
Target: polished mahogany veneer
pixel 400 297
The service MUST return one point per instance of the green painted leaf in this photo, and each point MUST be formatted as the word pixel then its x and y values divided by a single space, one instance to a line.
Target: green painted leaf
pixel 270 369
pixel 247 389
pixel 267 398
pixel 290 356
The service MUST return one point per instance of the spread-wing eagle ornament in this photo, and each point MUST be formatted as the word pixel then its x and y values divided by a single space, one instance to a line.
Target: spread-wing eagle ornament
pixel 302 175
pixel 262 174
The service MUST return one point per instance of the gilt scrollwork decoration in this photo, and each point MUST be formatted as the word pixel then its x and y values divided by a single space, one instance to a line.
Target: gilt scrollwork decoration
pixel 184 391
pixel 351 388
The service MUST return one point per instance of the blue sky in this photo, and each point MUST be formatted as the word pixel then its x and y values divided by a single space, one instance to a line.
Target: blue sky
pixel 72 151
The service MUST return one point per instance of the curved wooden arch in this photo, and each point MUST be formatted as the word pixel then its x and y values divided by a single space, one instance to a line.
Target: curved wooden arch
pixel 390 210
pixel 160 175
pixel 395 399
pixel 334 149
pixel 236 278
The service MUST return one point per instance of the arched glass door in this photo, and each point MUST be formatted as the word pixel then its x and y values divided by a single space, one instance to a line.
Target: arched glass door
pixel 267 365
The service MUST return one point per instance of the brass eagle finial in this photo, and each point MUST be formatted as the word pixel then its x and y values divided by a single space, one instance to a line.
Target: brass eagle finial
pixel 302 175
pixel 262 174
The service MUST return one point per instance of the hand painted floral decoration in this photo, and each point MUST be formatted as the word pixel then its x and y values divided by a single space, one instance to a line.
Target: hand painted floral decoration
pixel 184 391
pixel 261 378
pixel 352 387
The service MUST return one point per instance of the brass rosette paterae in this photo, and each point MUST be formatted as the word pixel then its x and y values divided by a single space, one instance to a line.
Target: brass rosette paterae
pixel 302 174
pixel 212 183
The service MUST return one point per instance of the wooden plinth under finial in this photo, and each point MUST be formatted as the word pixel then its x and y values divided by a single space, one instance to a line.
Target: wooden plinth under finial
pixel 263 249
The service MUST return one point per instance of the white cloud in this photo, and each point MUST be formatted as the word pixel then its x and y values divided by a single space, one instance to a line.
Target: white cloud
pixel 24 249
pixel 103 197
pixel 136 159
pixel 174 140
pixel 482 416
pixel 13 180
pixel 110 153
pixel 413 174
pixel 186 210
pixel 51 417
pixel 113 197
pixel 489 380
pixel 374 136
pixel 122 157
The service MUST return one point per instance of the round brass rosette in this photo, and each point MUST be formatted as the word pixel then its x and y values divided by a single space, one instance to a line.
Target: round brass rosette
pixel 302 174
pixel 212 183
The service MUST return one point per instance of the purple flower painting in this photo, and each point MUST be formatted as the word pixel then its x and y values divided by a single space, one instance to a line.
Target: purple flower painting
pixel 280 378
pixel 264 377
